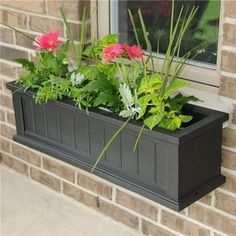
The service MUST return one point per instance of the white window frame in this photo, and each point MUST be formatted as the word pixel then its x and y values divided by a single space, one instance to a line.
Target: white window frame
pixel 200 77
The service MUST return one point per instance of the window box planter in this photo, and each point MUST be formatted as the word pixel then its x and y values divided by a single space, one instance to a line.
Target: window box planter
pixel 172 168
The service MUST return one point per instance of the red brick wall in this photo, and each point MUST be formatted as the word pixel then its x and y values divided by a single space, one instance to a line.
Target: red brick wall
pixel 214 215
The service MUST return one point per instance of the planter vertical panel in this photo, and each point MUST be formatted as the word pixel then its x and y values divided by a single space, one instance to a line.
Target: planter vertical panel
pixel 27 108
pixel 81 129
pixel 147 156
pixel 114 153
pixel 67 127
pixel 40 120
pixel 96 135
pixel 53 125
pixel 161 164
pixel 127 143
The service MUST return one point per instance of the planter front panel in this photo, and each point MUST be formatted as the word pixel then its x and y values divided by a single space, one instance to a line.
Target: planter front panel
pixel 170 169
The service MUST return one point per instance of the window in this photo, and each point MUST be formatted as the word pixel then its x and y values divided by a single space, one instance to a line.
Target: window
pixel 202 72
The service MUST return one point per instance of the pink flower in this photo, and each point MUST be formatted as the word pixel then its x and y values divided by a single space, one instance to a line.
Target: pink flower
pixel 134 52
pixel 113 51
pixel 48 41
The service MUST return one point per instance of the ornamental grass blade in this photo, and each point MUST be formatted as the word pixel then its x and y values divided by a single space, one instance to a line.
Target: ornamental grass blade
pixel 145 35
pixel 82 38
pixel 69 34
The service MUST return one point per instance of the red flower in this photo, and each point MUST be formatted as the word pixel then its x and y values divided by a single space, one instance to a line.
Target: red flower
pixel 134 52
pixel 113 51
pixel 48 41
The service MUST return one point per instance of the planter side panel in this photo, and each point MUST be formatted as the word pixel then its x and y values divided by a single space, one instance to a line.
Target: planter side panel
pixel 200 160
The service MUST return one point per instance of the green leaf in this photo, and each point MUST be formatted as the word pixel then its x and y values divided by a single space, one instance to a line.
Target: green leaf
pixel 176 103
pixel 26 64
pixel 143 102
pixel 108 40
pixel 177 84
pixel 150 84
pixel 153 120
pixel 89 72
pixel 185 118
pixel 62 51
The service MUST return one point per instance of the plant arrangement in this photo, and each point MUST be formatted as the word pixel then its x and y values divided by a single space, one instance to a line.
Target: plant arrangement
pixel 121 78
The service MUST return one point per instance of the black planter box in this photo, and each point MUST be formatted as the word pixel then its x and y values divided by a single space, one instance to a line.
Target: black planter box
pixel 172 168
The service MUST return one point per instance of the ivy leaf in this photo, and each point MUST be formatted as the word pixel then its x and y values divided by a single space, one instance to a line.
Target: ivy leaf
pixel 185 118
pixel 177 84
pixel 179 101
pixel 143 103
pixel 149 84
pixel 126 96
pixel 153 120
pixel 26 64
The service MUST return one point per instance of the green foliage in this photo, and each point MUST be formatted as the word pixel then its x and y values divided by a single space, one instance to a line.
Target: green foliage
pixel 96 48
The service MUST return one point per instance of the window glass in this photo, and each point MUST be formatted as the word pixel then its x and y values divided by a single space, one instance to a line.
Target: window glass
pixel 156 14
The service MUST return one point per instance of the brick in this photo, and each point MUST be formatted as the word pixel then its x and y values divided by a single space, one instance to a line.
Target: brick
pixel 5 145
pixel 229 159
pixel 11 54
pixel 118 214
pixel 228 59
pixel 44 178
pixel 230 184
pixel 225 202
pixel 6 101
pixel 227 87
pixel 6 35
pixel 7 131
pixel 25 154
pixel 72 9
pixel 229 137
pixel 40 24
pixel 14 19
pixel 23 41
pixel 206 199
pixel 59 169
pixel 234 114
pixel 92 184
pixel 11 118
pixel 229 34
pixel 154 230
pixel 140 206
pixel 230 8
pixel 7 70
pixel 14 164
pixel 212 219
pixel 181 225
pixel 80 195
pixel 37 6
pixel 2 115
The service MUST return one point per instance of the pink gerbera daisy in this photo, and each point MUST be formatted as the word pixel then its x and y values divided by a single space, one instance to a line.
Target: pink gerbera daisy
pixel 48 41
pixel 134 52
pixel 112 52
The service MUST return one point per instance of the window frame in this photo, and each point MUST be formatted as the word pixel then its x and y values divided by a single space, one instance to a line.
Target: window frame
pixel 194 72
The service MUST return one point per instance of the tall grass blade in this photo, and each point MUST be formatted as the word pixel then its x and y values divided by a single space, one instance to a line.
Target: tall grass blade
pixel 69 34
